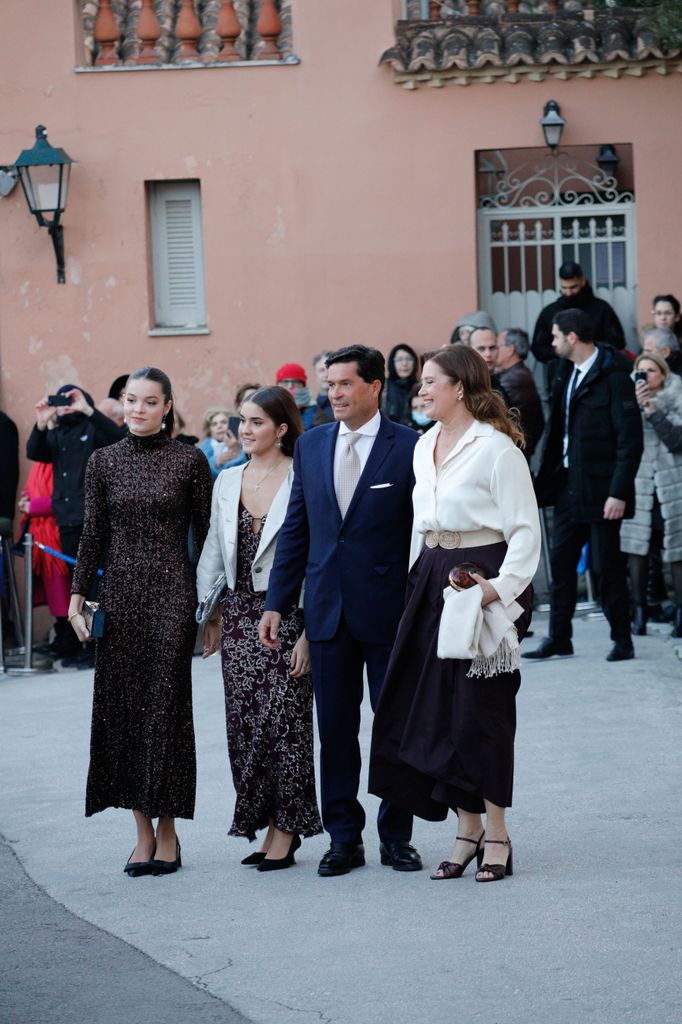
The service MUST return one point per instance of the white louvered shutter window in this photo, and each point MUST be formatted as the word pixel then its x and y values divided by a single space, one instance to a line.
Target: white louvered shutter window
pixel 177 254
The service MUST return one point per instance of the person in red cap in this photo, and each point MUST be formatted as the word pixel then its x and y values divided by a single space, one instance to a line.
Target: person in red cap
pixel 293 377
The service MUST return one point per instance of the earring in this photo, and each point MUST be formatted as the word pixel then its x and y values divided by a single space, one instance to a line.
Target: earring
pixel 279 442
pixel 163 424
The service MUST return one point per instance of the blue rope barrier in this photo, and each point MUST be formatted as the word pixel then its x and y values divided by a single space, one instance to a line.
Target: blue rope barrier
pixel 61 555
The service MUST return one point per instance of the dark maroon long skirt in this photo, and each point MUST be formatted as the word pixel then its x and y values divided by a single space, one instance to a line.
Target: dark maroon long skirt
pixel 442 740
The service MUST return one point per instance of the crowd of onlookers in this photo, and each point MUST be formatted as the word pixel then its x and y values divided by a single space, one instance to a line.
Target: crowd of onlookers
pixel 69 427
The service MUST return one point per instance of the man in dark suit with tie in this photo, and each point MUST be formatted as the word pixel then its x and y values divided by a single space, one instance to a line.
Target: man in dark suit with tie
pixel 347 534
pixel 588 469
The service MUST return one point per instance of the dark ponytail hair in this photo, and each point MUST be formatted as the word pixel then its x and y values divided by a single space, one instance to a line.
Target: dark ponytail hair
pixel 278 404
pixel 463 364
pixel 163 380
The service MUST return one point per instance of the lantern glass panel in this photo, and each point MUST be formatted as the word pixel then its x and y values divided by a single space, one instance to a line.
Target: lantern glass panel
pixel 46 187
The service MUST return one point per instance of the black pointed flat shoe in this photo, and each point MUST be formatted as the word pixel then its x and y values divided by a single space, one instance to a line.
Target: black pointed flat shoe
pixel 167 867
pixel 136 868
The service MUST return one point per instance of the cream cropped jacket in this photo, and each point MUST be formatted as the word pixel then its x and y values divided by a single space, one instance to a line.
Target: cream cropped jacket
pixel 220 549
pixel 483 483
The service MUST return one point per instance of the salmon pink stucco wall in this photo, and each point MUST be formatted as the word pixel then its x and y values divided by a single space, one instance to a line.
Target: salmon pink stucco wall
pixel 337 206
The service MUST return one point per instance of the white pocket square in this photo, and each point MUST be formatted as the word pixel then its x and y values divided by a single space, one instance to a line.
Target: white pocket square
pixel 378 487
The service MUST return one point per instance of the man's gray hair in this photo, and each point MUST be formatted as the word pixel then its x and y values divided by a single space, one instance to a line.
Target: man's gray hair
pixel 517 337
pixel 663 337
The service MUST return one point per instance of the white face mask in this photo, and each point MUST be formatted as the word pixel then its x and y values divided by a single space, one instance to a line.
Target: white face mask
pixel 420 418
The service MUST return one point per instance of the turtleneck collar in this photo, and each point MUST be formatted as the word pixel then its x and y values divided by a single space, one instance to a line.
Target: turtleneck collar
pixel 150 441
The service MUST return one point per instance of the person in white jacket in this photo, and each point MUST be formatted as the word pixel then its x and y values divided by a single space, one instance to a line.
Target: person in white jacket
pixel 268 693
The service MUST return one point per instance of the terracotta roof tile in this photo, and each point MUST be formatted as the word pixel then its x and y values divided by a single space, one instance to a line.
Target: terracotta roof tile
pixel 532 41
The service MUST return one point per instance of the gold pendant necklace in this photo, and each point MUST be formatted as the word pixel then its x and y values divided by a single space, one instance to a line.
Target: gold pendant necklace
pixel 264 478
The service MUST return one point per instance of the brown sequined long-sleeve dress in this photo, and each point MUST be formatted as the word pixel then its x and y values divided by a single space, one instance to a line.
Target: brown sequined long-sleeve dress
pixel 141 496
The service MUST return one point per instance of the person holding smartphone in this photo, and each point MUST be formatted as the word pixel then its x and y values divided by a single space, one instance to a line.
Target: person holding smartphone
pixel 67 431
pixel 658 485
pixel 221 445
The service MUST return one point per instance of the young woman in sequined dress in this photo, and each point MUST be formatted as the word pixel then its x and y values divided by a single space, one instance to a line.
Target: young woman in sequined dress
pixel 142 494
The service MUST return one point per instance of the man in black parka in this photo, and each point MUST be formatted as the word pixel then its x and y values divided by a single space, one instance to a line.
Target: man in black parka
pixel 588 469
pixel 576 293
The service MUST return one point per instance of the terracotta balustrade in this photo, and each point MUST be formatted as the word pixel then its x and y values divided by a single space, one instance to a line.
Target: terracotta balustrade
pixel 106 35
pixel 229 29
pixel 268 28
pixel 148 32
pixel 187 32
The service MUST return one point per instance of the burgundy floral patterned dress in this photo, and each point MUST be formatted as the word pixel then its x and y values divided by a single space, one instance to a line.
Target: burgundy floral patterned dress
pixel 141 496
pixel 269 714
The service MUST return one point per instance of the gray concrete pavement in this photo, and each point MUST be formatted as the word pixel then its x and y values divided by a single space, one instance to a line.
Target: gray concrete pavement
pixel 58 968
pixel 586 930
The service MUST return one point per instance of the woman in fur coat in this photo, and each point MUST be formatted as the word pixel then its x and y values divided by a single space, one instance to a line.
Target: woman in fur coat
pixel 658 484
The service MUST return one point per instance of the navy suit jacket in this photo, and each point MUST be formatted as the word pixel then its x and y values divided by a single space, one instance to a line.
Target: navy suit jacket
pixel 358 565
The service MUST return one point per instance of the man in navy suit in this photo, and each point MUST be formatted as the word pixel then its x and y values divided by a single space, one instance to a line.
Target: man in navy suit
pixel 347 534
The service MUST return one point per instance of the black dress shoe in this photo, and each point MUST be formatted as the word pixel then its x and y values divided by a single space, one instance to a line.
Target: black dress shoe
pixel 340 858
pixel 549 648
pixel 621 652
pixel 401 856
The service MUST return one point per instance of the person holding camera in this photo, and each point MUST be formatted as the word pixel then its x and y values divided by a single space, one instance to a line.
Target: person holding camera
pixel 444 728
pixel 67 431
pixel 658 485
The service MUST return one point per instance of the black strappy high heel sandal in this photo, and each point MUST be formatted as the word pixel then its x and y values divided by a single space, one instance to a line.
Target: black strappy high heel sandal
pixel 497 871
pixel 449 869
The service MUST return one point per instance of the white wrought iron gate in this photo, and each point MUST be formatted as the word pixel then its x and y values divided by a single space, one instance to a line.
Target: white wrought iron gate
pixel 533 224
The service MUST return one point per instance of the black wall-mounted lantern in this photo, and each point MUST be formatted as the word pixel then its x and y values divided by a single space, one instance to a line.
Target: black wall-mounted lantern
pixel 44 174
pixel 608 160
pixel 552 124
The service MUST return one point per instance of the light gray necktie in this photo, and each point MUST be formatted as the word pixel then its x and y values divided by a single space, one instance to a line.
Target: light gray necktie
pixel 349 472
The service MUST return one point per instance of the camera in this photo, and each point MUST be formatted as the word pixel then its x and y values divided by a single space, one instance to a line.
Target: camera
pixel 640 376
pixel 55 400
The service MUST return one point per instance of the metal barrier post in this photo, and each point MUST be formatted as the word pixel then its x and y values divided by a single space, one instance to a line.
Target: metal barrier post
pixel 28 668
pixel 2 646
pixel 545 547
pixel 13 592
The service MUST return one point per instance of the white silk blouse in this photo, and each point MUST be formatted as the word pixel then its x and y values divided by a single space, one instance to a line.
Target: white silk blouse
pixel 484 482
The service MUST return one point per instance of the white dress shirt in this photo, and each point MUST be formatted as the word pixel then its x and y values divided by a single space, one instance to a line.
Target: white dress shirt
pixel 363 445
pixel 483 483
pixel 574 382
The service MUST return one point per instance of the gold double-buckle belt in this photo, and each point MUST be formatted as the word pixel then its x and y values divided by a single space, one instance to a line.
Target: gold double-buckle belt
pixel 451 539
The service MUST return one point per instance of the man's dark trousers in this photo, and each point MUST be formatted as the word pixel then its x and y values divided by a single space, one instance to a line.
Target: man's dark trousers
pixel 606 561
pixel 337 666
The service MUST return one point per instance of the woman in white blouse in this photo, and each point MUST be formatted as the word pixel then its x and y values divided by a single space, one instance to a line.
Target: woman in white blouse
pixel 268 693
pixel 444 728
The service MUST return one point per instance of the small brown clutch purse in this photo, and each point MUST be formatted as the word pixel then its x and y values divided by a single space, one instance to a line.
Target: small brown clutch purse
pixel 460 578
